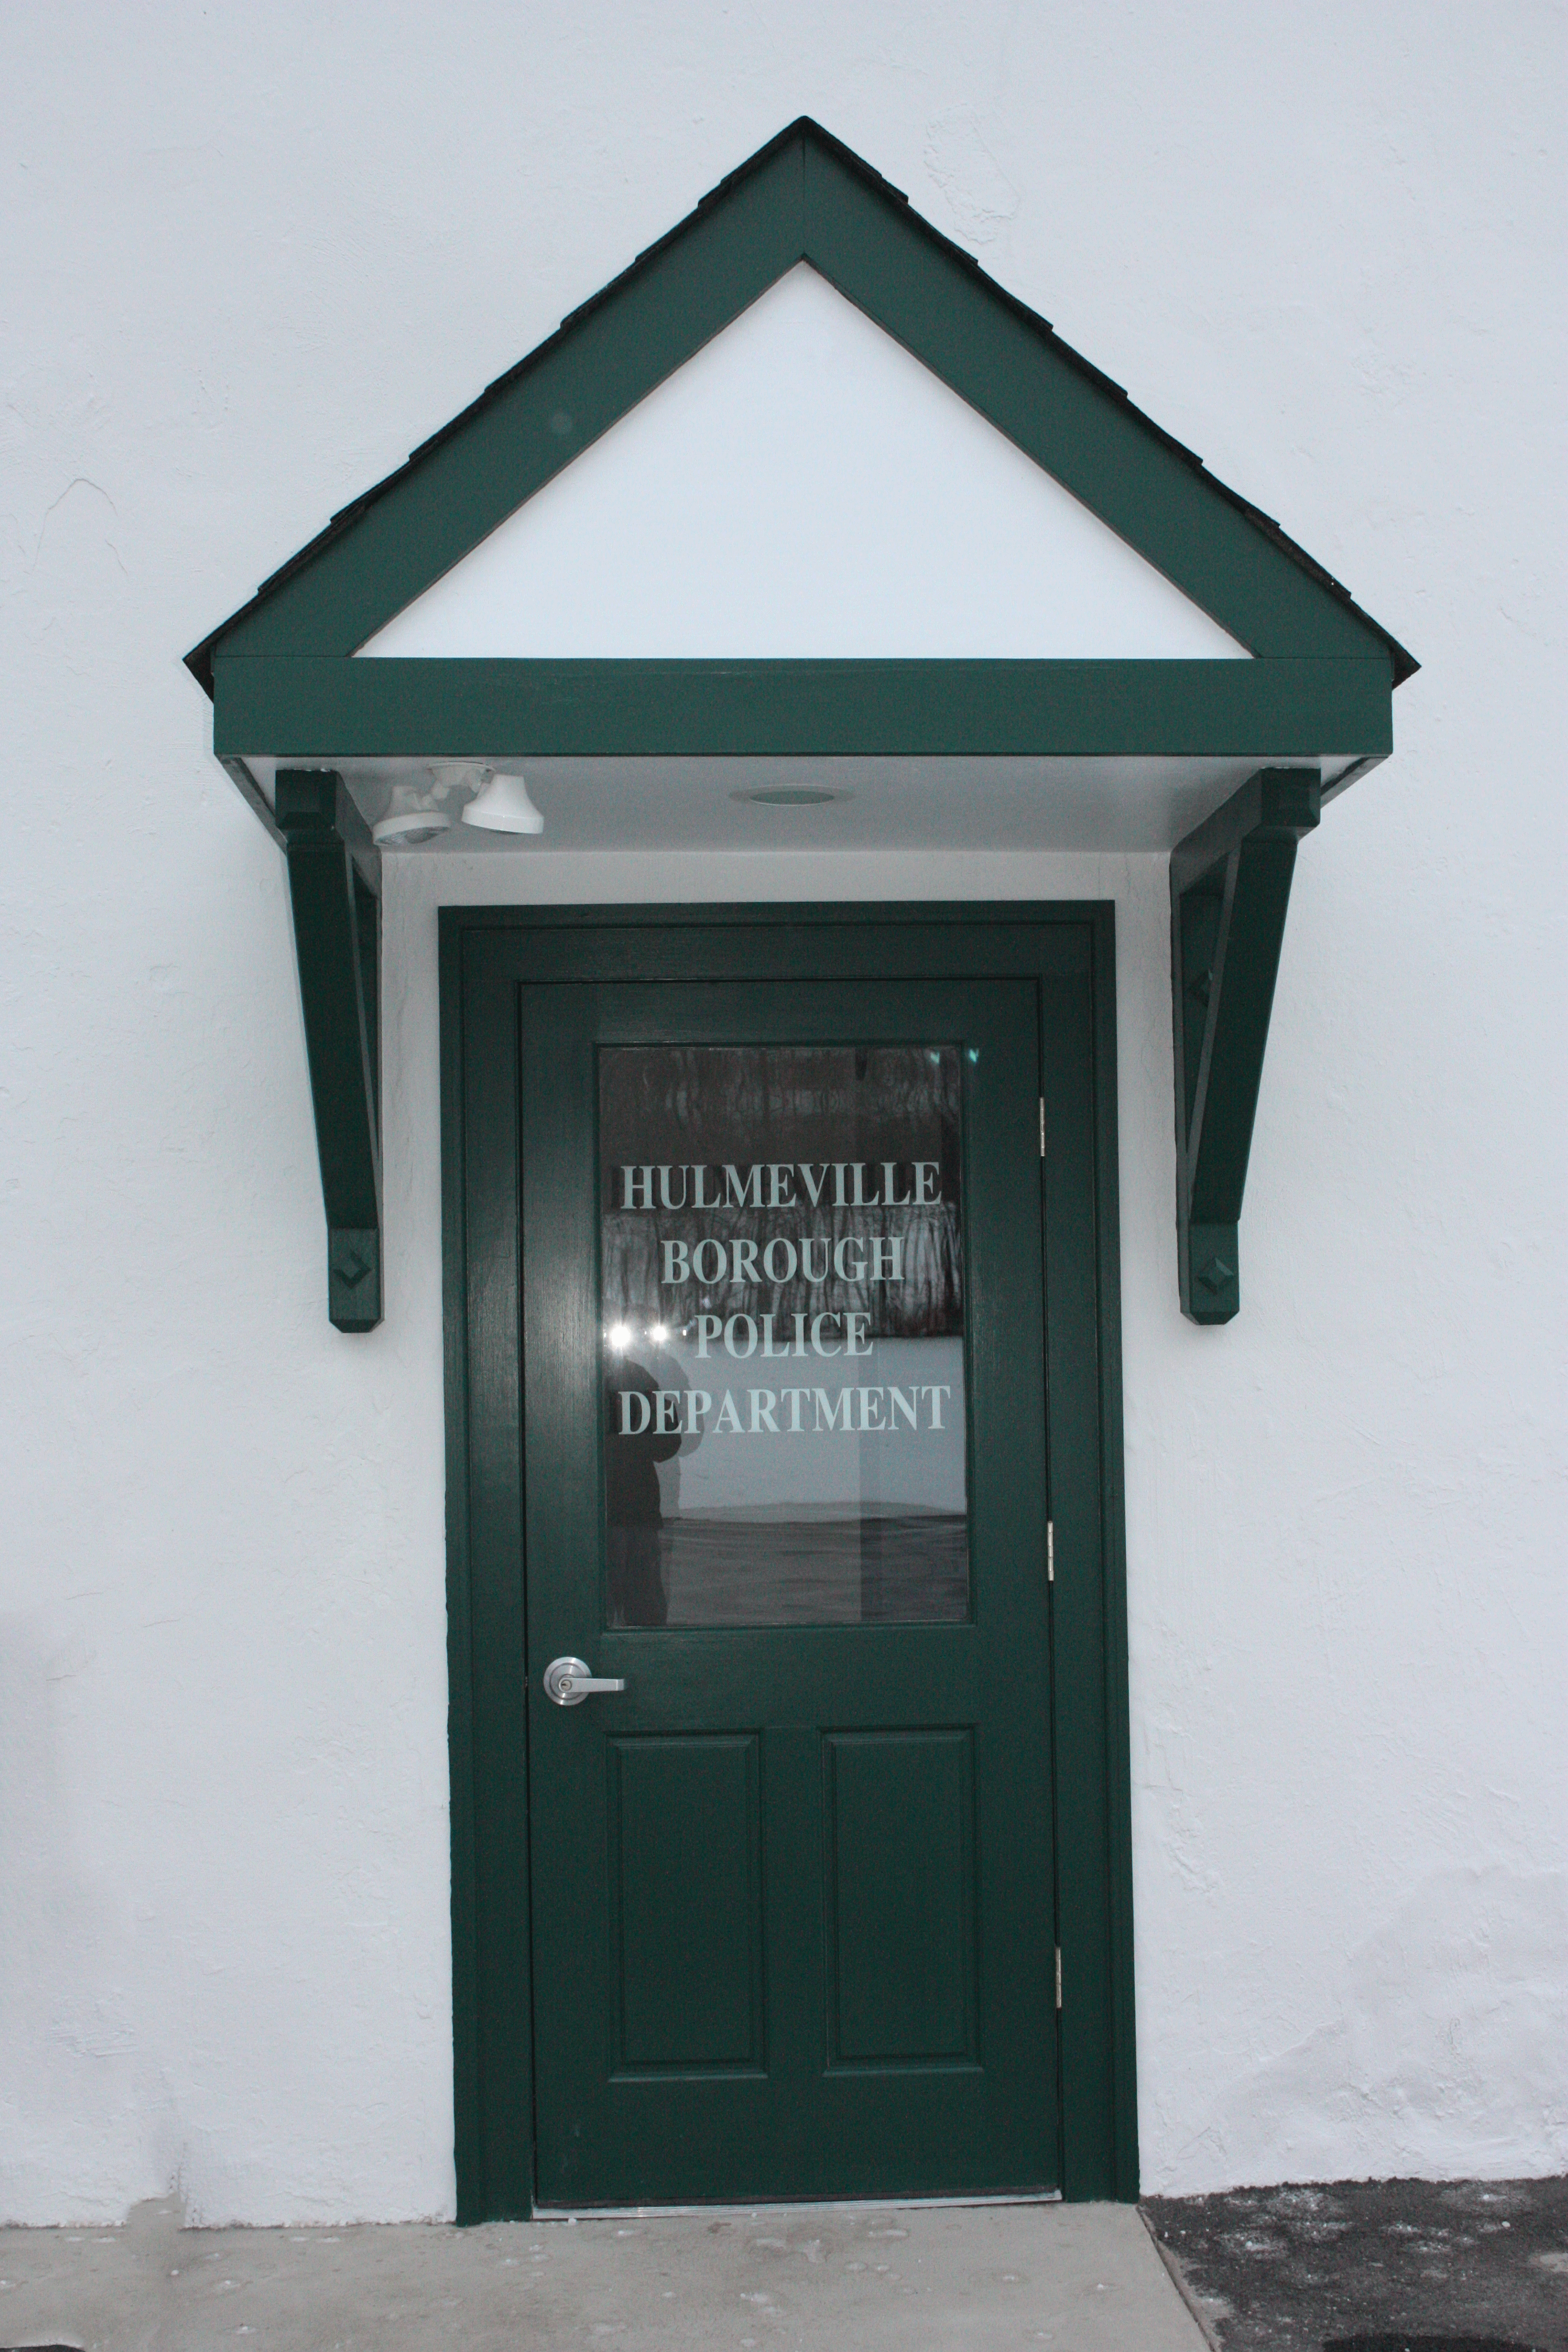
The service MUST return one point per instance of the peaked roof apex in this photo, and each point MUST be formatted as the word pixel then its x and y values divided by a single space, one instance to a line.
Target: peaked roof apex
pixel 930 294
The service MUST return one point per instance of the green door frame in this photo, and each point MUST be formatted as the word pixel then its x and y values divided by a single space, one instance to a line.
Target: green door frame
pixel 1068 949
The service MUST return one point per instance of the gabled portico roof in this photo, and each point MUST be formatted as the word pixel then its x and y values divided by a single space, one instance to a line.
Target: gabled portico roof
pixel 1223 756
pixel 283 671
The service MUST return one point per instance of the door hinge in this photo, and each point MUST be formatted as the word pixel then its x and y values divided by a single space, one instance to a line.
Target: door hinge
pixel 1042 1127
pixel 1059 1976
pixel 1051 1552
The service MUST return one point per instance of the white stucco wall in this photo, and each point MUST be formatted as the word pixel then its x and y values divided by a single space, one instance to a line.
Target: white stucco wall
pixel 250 259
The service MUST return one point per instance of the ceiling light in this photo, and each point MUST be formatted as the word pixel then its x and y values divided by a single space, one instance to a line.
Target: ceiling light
pixel 409 819
pixel 791 796
pixel 503 806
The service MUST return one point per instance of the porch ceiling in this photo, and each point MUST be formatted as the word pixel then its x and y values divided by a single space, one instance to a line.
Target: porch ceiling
pixel 1118 805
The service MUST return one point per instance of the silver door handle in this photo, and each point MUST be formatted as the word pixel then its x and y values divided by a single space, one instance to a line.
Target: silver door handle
pixel 568 1682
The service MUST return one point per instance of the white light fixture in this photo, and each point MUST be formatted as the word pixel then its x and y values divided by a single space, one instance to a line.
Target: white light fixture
pixel 503 806
pixel 449 776
pixel 409 819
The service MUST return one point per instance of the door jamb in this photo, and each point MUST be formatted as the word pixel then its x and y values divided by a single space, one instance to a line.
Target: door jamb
pixel 1097 2063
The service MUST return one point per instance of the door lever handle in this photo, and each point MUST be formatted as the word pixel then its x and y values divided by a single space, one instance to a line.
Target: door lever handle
pixel 568 1682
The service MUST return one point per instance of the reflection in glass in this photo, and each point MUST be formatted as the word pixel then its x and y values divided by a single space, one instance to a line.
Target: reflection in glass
pixel 783 1316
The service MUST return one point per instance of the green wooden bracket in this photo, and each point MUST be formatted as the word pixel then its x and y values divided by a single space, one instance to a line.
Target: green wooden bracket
pixel 1230 885
pixel 332 877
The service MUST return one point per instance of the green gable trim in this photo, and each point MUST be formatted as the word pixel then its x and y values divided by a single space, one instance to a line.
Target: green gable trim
pixel 1270 710
pixel 804 197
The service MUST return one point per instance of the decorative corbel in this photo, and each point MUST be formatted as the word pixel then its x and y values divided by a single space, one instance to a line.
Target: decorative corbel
pixel 1230 885
pixel 334 883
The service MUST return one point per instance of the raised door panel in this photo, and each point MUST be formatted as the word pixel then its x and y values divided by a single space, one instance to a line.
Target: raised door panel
pixel 687 1878
pixel 901 1897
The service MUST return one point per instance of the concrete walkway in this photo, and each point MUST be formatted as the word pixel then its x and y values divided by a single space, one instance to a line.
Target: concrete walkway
pixel 1079 2278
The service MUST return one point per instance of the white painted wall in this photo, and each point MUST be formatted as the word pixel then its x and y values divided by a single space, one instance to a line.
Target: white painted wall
pixel 696 526
pixel 250 261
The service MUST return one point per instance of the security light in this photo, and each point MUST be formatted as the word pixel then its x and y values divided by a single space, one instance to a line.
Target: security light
pixel 409 819
pixel 503 806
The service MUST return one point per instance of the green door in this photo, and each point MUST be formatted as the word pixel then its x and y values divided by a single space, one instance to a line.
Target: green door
pixel 784 1488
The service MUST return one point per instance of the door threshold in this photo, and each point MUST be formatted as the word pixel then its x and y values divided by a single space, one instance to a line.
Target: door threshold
pixel 783 2205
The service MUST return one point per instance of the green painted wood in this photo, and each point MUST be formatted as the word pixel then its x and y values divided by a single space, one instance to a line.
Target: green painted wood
pixel 1275 804
pixel 919 2124
pixel 1230 888
pixel 1098 2135
pixel 1200 914
pixel 473 2204
pixel 740 939
pixel 336 931
pixel 487 954
pixel 686 1902
pixel 1101 2151
pixel 802 197
pixel 1282 709
pixel 494 2101
pixel 904 1897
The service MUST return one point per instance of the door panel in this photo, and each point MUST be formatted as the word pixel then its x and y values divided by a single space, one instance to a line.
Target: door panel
pixel 793 1929
pixel 902 1929
pixel 686 1873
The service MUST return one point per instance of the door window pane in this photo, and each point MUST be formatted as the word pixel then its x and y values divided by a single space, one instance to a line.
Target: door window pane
pixel 783 1335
